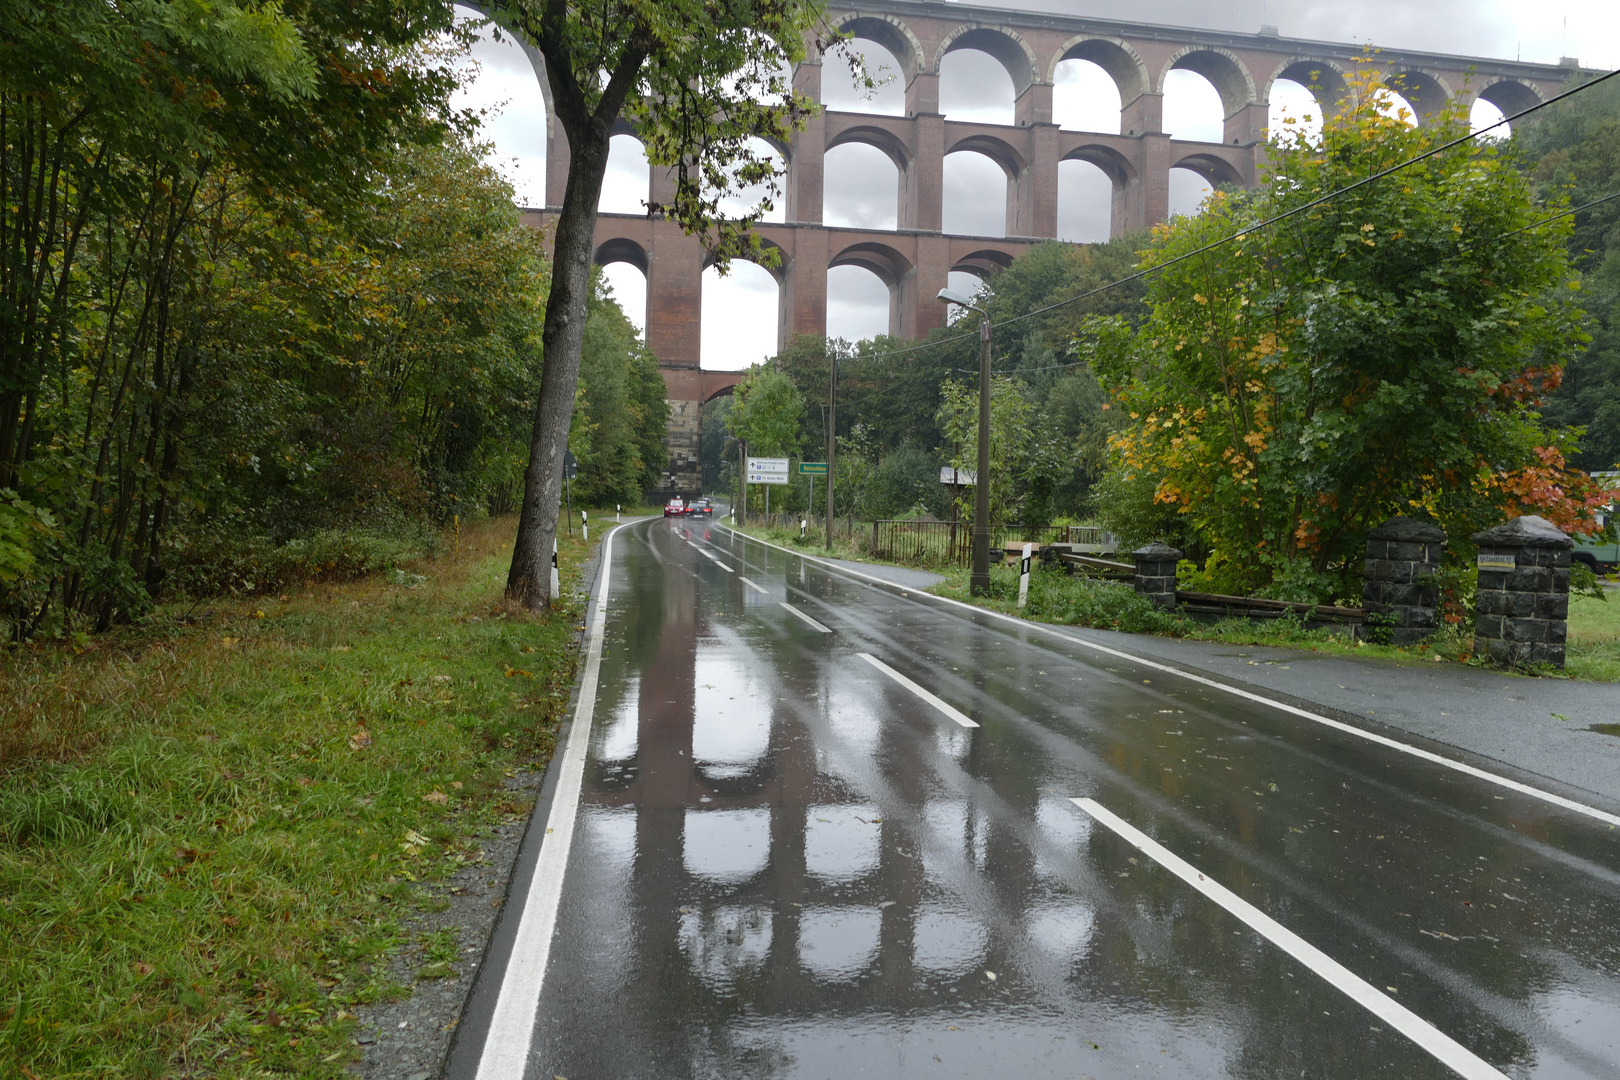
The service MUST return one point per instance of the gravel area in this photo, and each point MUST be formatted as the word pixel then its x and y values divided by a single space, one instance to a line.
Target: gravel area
pixel 408 1039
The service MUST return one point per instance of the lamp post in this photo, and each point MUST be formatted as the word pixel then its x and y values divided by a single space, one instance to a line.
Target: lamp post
pixel 979 581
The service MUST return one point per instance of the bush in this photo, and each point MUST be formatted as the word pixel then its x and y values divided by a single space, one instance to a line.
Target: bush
pixel 216 566
pixel 1055 597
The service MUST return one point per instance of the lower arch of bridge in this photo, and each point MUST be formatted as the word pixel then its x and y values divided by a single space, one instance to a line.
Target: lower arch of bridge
pixel 978 194
pixel 1323 78
pixel 1423 90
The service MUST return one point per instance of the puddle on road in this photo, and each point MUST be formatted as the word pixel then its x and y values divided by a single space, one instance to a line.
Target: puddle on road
pixel 1605 729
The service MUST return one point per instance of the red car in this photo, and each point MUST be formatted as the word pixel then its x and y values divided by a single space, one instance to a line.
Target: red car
pixel 676 507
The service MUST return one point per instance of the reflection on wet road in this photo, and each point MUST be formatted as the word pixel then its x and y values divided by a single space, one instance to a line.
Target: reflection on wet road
pixel 826 830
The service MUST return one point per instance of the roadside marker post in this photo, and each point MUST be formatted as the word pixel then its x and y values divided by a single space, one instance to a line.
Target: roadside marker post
pixel 556 582
pixel 1023 574
pixel 585 530
pixel 803 524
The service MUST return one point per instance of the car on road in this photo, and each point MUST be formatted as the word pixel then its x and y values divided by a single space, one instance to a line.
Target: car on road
pixel 1602 553
pixel 700 508
pixel 676 507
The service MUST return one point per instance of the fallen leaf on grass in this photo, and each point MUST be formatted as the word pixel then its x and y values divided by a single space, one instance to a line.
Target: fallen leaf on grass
pixel 231 920
pixel 414 838
pixel 229 642
pixel 360 740
pixel 143 969
pixel 437 798
pixel 511 671
pixel 441 678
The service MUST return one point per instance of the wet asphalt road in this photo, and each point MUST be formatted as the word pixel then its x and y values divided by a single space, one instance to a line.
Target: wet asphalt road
pixel 790 864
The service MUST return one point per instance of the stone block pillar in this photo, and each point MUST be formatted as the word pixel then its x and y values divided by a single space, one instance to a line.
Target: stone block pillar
pixel 1156 573
pixel 1399 590
pixel 1523 601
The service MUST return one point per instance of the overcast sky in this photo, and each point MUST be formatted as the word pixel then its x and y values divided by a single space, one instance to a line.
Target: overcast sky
pixel 862 184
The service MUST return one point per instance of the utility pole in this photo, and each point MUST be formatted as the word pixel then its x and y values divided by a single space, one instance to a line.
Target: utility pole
pixel 832 436
pixel 979 580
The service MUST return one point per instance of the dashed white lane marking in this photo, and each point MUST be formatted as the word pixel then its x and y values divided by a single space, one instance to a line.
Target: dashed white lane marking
pixel 750 584
pixel 919 691
pixel 506 1046
pixel 806 618
pixel 1447 1050
pixel 1612 820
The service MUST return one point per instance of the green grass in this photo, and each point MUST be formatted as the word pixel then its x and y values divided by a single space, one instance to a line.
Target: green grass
pixel 1594 625
pixel 1594 638
pixel 816 542
pixel 210 833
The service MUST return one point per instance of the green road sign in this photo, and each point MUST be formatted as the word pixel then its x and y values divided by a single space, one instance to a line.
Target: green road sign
pixel 818 468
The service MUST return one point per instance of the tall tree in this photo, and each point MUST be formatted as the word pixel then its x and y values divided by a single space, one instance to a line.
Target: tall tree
pixel 699 80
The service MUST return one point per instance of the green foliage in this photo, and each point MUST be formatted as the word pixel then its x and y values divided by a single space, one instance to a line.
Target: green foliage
pixel 621 413
pixel 1575 150
pixel 1380 354
pixel 269 293
pixel 767 412
pixel 1010 438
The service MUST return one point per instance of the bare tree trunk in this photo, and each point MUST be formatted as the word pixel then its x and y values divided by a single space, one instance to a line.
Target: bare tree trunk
pixel 529 580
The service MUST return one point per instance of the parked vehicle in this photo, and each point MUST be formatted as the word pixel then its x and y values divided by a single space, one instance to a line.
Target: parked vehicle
pixel 1603 553
pixel 700 508
pixel 676 507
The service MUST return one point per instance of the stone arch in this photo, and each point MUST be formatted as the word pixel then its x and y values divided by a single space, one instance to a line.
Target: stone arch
pixel 886 262
pixel 876 136
pixel 1001 42
pixel 778 272
pixel 993 147
pixel 1122 63
pixel 1512 96
pixel 983 263
pixel 1115 164
pixel 621 126
pixel 1424 90
pixel 538 61
pixel 890 33
pixel 621 249
pixel 726 389
pixel 1225 72
pixel 1214 169
pixel 1325 80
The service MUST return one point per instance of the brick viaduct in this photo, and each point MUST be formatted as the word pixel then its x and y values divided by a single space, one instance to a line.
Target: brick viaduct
pixel 914 259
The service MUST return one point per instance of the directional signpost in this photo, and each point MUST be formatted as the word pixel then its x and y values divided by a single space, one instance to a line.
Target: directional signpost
pixel 767 470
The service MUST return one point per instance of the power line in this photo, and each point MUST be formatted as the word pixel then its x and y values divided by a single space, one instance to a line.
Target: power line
pixel 1363 182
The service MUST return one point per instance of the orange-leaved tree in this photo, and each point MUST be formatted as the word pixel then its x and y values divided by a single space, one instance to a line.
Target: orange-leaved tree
pixel 1382 353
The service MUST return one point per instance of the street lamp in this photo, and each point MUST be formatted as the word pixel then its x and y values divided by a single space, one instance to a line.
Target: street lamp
pixel 979 581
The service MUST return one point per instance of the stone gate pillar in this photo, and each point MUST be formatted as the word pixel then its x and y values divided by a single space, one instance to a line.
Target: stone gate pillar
pixel 1522 607
pixel 1156 573
pixel 1399 591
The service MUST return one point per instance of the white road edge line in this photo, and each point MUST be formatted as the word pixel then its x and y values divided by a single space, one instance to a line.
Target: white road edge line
pixel 506 1045
pixel 806 618
pixel 750 584
pixel 1612 820
pixel 915 689
pixel 1447 1050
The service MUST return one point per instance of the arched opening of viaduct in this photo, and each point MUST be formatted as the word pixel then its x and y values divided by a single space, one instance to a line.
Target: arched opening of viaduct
pixel 901 136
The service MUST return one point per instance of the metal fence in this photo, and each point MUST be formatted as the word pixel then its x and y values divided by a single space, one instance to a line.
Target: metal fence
pixel 951 542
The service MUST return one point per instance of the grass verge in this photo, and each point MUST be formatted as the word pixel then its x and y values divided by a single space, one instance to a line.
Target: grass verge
pixel 211 829
pixel 1594 625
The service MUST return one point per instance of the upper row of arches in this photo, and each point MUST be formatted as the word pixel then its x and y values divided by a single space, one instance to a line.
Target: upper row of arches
pixel 1114 66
